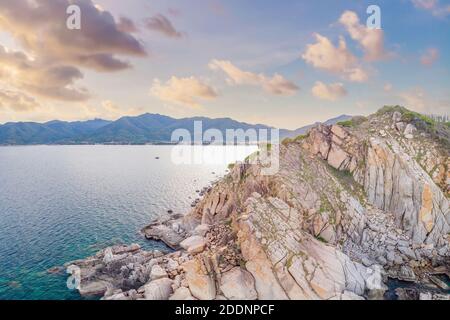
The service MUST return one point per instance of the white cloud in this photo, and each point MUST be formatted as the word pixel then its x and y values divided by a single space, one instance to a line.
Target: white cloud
pixel 429 57
pixel 371 40
pixel 338 60
pixel 48 61
pixel 183 91
pixel 387 87
pixel 277 84
pixel 418 100
pixel 163 25
pixel 414 99
pixel 433 6
pixel 111 110
pixel 331 92
pixel 17 101
pixel 48 81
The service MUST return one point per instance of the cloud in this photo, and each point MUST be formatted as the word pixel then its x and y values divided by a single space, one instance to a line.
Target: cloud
pixel 183 91
pixel 418 100
pixel 48 81
pixel 50 59
pixel 111 110
pixel 127 25
pixel 429 57
pixel 337 60
pixel 331 92
pixel 17 101
pixel 387 87
pixel 40 28
pixel 414 99
pixel 432 6
pixel 371 40
pixel 161 24
pixel 174 12
pixel 276 85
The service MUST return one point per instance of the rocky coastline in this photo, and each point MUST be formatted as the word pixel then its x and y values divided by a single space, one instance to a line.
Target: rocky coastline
pixel 352 208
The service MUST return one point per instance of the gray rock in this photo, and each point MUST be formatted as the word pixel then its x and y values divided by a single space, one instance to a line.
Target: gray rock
pixel 201 285
pixel 194 244
pixel 93 289
pixel 157 273
pixel 397 116
pixel 182 293
pixel 238 284
pixel 409 130
pixel 408 252
pixel 382 260
pixel 160 289
pixel 406 274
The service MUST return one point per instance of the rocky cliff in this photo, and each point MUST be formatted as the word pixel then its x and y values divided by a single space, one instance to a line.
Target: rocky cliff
pixel 352 204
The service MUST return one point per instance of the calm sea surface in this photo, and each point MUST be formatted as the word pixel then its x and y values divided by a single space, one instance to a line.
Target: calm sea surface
pixel 61 203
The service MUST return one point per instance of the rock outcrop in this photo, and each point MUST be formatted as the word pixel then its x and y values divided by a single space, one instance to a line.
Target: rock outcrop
pixel 349 207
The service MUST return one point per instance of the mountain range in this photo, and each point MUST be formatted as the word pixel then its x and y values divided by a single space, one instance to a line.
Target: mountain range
pixel 143 129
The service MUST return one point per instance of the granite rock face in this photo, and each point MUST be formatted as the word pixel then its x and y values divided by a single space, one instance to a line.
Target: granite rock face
pixel 349 207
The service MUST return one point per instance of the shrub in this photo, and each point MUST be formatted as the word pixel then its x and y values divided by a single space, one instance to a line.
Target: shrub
pixel 347 124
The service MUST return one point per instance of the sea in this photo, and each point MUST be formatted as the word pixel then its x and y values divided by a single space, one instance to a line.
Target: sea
pixel 62 203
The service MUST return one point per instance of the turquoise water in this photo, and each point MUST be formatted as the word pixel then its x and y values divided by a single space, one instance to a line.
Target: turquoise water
pixel 61 203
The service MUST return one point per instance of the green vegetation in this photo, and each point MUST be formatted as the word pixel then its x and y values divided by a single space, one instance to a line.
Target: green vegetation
pixel 231 166
pixel 407 115
pixel 301 137
pixel 325 205
pixel 353 122
pixel 347 124
pixel 411 116
pixel 286 141
pixel 437 129
pixel 321 239
pixel 390 109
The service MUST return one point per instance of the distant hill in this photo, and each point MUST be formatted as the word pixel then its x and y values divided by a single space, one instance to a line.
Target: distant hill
pixel 303 130
pixel 146 128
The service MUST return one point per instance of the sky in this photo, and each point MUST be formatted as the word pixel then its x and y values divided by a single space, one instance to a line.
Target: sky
pixel 284 64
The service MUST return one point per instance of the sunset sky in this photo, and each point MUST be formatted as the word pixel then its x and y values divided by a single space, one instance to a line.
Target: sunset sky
pixel 282 63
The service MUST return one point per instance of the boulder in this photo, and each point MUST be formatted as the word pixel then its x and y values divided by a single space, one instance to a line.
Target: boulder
pixel 194 244
pixel 408 252
pixel 406 274
pixel 339 131
pixel 201 285
pixel 93 289
pixel 410 129
pixel 201 230
pixel 397 116
pixel 238 284
pixel 182 293
pixel 336 156
pixel 160 289
pixel 400 127
pixel 158 272
pixel 118 297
